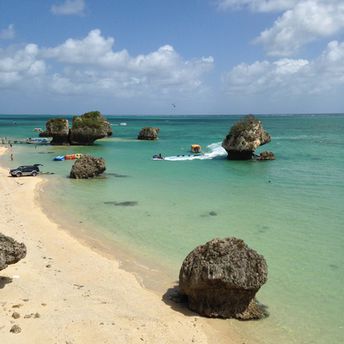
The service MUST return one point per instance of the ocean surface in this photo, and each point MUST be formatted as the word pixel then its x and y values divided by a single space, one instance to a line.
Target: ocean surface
pixel 291 210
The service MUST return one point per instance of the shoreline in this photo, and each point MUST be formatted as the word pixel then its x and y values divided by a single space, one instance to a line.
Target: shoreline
pixel 81 295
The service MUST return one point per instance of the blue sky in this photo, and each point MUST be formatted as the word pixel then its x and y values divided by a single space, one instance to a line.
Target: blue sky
pixel 140 56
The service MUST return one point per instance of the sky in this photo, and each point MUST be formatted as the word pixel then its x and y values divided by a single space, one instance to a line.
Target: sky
pixel 139 57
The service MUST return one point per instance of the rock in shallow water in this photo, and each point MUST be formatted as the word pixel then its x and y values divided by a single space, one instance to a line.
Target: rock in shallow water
pixel 87 167
pixel 244 138
pixel 221 279
pixel 122 204
pixel 264 156
pixel 85 129
pixel 148 133
pixel 11 251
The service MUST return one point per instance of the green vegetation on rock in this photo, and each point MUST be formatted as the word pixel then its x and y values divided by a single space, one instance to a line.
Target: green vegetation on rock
pixel 92 119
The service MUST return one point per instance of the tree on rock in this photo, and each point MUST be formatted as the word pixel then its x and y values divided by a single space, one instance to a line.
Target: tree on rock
pixel 89 127
pixel 85 129
pixel 58 129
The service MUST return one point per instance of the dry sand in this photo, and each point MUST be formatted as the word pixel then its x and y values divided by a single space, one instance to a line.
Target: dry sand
pixel 65 292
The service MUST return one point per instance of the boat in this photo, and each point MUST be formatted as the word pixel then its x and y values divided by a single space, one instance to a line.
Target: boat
pixel 158 157
pixel 195 148
pixel 38 129
pixel 59 158
pixel 73 156
pixel 37 141
pixel 123 124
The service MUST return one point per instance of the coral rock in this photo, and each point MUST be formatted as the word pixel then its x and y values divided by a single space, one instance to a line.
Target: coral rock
pixel 58 129
pixel 266 156
pixel 87 167
pixel 221 279
pixel 244 137
pixel 89 127
pixel 148 133
pixel 11 251
pixel 85 129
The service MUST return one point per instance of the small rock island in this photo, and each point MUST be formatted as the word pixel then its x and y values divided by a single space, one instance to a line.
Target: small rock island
pixel 85 129
pixel 148 133
pixel 244 137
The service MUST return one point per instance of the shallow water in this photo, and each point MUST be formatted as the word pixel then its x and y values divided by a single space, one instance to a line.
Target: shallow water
pixel 290 210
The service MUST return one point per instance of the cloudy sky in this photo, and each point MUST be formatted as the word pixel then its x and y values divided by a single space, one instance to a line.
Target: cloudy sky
pixel 141 56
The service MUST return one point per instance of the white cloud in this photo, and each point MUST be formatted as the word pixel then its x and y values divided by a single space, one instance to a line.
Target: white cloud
pixel 97 66
pixel 91 66
pixel 69 7
pixel 304 23
pixel 21 66
pixel 290 77
pixel 8 33
pixel 257 5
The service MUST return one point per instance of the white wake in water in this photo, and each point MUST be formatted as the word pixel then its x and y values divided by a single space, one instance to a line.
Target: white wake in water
pixel 215 150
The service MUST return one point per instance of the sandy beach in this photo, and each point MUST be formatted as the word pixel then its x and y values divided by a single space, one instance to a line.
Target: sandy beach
pixel 65 292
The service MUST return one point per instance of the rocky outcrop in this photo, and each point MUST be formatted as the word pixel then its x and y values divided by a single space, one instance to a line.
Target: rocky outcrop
pixel 148 133
pixel 85 129
pixel 221 279
pixel 89 127
pixel 87 167
pixel 263 156
pixel 11 251
pixel 244 137
pixel 58 129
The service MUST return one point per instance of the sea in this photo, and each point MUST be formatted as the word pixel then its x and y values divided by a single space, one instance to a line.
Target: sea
pixel 290 210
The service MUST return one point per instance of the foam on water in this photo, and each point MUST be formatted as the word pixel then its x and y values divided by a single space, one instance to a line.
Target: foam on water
pixel 216 150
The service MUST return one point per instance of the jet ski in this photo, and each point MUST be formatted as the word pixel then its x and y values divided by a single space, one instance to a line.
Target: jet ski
pixel 158 157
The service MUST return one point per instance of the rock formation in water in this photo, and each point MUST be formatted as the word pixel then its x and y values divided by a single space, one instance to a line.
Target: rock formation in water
pixel 58 129
pixel 244 137
pixel 89 127
pixel 87 167
pixel 85 129
pixel 148 133
pixel 266 155
pixel 11 251
pixel 221 279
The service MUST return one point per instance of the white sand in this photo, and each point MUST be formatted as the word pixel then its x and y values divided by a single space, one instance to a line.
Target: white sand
pixel 80 295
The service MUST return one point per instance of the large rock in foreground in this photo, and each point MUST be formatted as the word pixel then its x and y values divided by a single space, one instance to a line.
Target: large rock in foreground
pixel 11 251
pixel 87 167
pixel 244 138
pixel 148 133
pixel 85 129
pixel 221 279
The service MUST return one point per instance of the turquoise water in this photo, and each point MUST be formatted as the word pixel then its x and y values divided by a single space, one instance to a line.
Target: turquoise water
pixel 290 210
